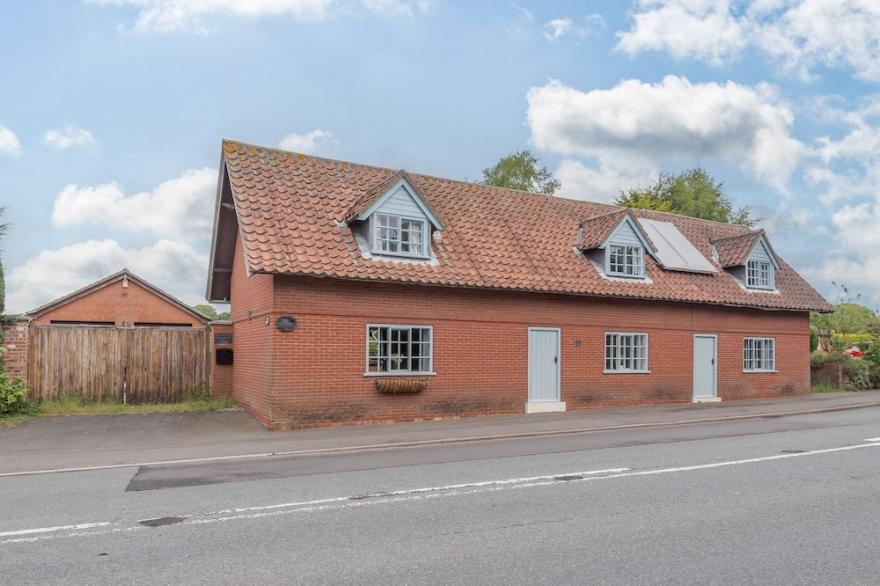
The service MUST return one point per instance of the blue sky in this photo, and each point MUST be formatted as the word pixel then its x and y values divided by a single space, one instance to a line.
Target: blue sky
pixel 112 112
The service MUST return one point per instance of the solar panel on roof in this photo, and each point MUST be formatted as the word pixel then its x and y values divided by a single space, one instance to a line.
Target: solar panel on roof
pixel 674 251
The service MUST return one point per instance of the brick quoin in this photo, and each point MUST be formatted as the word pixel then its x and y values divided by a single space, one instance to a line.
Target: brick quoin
pixel 314 376
pixel 121 306
pixel 15 344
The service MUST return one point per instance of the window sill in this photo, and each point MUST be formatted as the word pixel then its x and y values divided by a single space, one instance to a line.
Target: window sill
pixel 626 372
pixel 379 255
pixel 628 277
pixel 375 374
pixel 746 371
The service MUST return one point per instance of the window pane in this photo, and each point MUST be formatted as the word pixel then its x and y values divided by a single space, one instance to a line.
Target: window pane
pixel 625 260
pixel 398 349
pixel 626 352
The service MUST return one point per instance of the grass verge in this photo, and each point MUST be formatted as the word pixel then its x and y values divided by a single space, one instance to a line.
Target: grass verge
pixel 74 405
pixel 821 388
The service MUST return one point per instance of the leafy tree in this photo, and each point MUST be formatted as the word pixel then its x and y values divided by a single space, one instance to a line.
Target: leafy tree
pixel 206 310
pixel 846 319
pixel 690 193
pixel 521 171
pixel 210 311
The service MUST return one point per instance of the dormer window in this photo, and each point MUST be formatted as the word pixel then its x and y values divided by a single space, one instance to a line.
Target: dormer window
pixel 758 274
pixel 750 260
pixel 626 261
pixel 399 236
pixel 395 220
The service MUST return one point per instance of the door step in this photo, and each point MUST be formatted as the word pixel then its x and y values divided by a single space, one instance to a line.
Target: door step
pixel 545 407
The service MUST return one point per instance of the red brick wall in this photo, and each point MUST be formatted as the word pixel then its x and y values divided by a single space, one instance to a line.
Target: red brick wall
pixel 221 374
pixel 15 344
pixel 480 351
pixel 122 306
pixel 251 339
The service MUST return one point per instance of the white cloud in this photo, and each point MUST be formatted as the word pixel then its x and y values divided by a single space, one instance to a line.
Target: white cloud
pixel 701 29
pixel 603 184
pixel 166 16
pixel 801 34
pixel 68 137
pixel 557 28
pixel 636 124
pixel 173 266
pixel 309 142
pixel 180 207
pixel 9 144
pixel 849 166
pixel 396 6
pixel 554 29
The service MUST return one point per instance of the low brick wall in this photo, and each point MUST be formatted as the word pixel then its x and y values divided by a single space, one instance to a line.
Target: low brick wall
pixel 15 344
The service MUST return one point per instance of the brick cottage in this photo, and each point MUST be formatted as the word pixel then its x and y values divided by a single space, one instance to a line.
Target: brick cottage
pixel 364 294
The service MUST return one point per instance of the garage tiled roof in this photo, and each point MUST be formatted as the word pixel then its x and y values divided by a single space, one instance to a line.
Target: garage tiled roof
pixel 293 212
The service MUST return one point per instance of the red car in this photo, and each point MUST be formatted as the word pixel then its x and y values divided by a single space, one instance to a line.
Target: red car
pixel 854 352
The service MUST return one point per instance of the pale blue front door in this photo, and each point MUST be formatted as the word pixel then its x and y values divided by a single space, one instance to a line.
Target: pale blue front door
pixel 543 364
pixel 704 366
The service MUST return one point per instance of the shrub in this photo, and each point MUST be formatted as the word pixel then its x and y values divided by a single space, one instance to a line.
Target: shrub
pixel 872 354
pixel 858 373
pixel 13 397
pixel 819 358
pixel 814 340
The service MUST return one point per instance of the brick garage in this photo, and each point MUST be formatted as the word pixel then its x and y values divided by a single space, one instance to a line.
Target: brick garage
pixel 122 299
pixel 316 374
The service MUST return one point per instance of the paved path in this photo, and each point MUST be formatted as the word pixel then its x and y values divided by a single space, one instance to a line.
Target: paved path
pixel 768 500
pixel 51 443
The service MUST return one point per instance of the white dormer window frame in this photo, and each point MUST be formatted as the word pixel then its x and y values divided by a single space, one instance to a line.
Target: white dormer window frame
pixel 395 235
pixel 759 274
pixel 625 260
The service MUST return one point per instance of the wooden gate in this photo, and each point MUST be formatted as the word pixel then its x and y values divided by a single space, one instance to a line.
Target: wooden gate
pixel 135 365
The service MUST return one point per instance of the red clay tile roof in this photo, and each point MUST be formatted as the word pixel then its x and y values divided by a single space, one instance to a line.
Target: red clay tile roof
pixel 594 231
pixel 733 251
pixel 292 210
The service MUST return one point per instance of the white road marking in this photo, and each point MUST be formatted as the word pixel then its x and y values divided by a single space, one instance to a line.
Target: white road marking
pixel 77 527
pixel 406 495
pixel 414 491
pixel 873 439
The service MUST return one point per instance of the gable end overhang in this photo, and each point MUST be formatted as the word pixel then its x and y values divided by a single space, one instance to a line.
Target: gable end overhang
pixel 224 234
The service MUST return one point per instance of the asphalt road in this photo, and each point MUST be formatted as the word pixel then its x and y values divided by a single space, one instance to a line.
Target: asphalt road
pixel 793 500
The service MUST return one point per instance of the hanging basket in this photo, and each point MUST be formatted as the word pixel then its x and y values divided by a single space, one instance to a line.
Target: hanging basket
pixel 401 386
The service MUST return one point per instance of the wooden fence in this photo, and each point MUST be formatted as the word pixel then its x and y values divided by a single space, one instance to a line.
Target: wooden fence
pixel 135 365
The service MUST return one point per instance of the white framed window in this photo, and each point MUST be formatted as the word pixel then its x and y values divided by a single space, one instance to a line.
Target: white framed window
pixel 759 354
pixel 399 349
pixel 626 261
pixel 626 352
pixel 759 274
pixel 399 236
